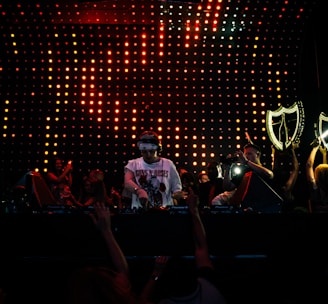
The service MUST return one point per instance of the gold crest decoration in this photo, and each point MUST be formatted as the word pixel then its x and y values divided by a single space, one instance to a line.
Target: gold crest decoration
pixel 323 129
pixel 285 125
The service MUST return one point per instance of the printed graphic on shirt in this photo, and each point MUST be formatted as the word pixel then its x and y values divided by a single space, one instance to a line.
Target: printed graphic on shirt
pixel 148 180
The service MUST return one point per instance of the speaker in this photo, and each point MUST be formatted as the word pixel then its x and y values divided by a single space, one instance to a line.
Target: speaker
pixel 150 137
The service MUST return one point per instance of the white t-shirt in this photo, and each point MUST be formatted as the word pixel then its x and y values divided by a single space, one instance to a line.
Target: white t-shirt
pixel 159 180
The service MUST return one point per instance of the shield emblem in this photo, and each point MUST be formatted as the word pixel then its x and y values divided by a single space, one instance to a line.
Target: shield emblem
pixel 323 129
pixel 285 125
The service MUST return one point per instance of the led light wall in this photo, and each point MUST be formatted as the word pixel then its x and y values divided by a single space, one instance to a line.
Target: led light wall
pixel 83 79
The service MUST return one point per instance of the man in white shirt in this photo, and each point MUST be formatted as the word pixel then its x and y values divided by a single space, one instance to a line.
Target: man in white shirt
pixel 153 181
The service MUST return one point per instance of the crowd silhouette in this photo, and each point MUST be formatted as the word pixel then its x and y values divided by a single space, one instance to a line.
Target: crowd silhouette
pixel 172 278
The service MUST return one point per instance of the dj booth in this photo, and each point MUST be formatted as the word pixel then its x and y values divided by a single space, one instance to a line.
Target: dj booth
pixel 60 232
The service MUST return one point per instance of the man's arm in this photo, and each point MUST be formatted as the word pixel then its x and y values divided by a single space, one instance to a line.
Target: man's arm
pixel 260 170
pixel 52 178
pixel 102 221
pixel 323 151
pixel 202 257
pixel 310 163
pixel 201 254
pixel 147 294
pixel 131 186
pixel 294 172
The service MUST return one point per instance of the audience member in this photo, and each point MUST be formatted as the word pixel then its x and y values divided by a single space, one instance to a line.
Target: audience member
pixel 228 188
pixel 60 180
pixel 210 189
pixel 188 180
pixel 116 198
pixel 285 176
pixel 93 189
pixel 204 187
pixel 152 180
pixel 248 160
pixel 203 177
pixel 99 284
pixel 180 280
pixel 220 199
pixel 87 192
pixel 317 179
pixel 251 156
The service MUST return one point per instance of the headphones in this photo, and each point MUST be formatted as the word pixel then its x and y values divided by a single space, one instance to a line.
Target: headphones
pixel 150 137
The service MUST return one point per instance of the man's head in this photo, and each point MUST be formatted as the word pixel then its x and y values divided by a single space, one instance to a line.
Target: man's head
pixel 149 145
pixel 203 177
pixel 149 140
pixel 321 176
pixel 252 153
pixel 56 164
